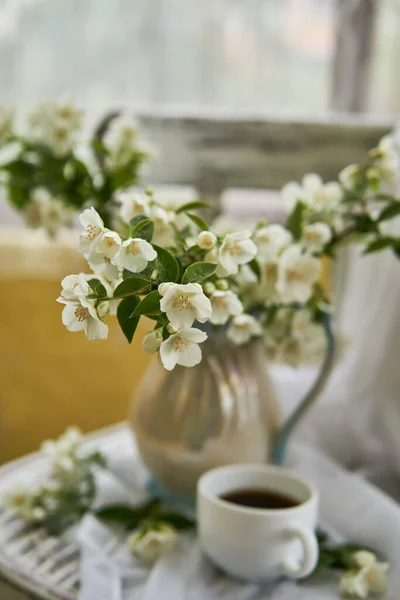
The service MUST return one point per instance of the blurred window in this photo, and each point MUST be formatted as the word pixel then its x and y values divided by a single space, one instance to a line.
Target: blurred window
pixel 256 55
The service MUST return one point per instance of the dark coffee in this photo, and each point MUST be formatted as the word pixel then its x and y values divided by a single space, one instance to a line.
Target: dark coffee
pixel 259 498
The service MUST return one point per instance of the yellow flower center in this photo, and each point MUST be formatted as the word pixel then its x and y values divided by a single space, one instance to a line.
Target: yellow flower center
pixel 371 577
pixel 235 249
pixel 312 236
pixel 219 302
pixel 110 242
pixel 320 195
pixel 81 313
pixel 65 112
pixel 18 500
pixel 264 239
pixel 270 271
pixel 182 302
pixel 52 214
pixel 106 260
pixel 127 132
pixel 295 275
pixel 134 249
pixel 60 133
pixel 92 231
pixel 181 344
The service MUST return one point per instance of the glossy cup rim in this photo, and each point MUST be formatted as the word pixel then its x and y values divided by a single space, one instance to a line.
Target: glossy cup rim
pixel 285 472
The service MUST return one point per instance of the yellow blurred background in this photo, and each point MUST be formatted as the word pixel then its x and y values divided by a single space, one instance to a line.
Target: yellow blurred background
pixel 49 377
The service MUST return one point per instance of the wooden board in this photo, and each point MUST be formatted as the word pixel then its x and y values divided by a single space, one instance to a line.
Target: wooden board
pixel 213 151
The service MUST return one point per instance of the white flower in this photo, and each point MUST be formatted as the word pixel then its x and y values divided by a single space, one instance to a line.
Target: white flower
pixel 243 328
pixel 348 175
pixel 132 204
pixel 224 305
pixel 5 123
pixel 171 198
pixel 246 276
pixel 206 240
pixel 236 249
pixel 94 227
pixel 83 315
pixel 388 158
pixel 164 287
pixel 57 125
pixel 22 502
pixel 370 579
pixel 269 280
pixel 102 251
pixel 182 348
pixel 148 545
pixel 353 585
pixel 295 339
pixel 163 229
pixel 184 303
pixel 123 142
pixel 73 288
pixel 364 558
pixel 66 445
pixel 45 210
pixel 270 241
pixel 134 255
pixel 297 272
pixel 316 236
pixel 313 192
pixel 152 341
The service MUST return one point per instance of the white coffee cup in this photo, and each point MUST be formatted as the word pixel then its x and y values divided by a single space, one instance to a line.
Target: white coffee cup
pixel 258 544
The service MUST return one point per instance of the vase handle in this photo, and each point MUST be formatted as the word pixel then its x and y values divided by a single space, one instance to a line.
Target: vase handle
pixel 280 443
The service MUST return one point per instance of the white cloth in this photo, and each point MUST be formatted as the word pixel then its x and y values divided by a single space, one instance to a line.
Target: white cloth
pixel 351 509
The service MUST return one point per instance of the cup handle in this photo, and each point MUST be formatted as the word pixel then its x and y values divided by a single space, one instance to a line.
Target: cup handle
pixel 310 552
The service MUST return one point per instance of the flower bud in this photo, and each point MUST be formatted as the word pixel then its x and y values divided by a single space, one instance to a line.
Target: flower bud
pixel 171 329
pixel 148 545
pixel 222 284
pixel 206 240
pixel 152 341
pixel 209 288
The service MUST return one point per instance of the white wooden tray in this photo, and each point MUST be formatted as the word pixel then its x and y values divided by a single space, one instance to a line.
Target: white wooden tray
pixel 34 565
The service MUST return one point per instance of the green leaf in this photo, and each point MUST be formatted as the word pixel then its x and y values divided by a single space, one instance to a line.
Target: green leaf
pixel 365 224
pixel 201 224
pixel 389 212
pixel 143 230
pixel 98 288
pixel 381 244
pixel 167 265
pixel 126 515
pixel 294 222
pixel 124 311
pixel 192 206
pixel 177 520
pixel 150 305
pixel 97 458
pixel 384 198
pixel 138 219
pixel 198 272
pixel 56 522
pixel 130 286
pixel 255 267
